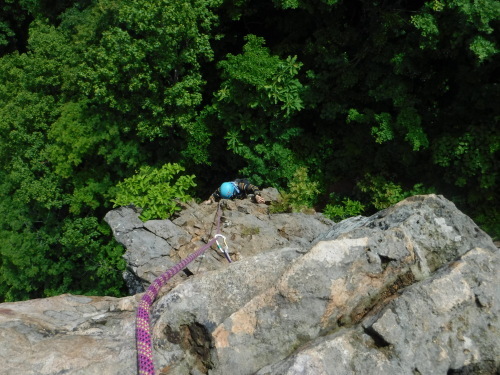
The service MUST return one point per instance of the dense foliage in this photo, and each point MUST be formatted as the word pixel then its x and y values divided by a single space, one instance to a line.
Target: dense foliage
pixel 155 191
pixel 346 105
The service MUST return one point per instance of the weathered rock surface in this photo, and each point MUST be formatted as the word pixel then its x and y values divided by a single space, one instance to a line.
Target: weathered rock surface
pixel 68 334
pixel 413 289
pixel 157 245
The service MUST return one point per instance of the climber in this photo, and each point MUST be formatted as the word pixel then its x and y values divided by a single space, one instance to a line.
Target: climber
pixel 238 188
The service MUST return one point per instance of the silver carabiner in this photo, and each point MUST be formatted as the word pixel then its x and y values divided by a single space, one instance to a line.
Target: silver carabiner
pixel 225 251
pixel 218 244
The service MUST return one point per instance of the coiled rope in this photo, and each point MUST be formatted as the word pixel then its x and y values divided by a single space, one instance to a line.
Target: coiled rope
pixel 143 328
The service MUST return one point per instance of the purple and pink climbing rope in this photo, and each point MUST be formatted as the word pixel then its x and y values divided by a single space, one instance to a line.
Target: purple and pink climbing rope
pixel 143 328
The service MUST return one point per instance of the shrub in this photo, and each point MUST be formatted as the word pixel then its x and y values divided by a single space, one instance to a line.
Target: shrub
pixel 155 191
pixel 383 193
pixel 345 209
pixel 301 194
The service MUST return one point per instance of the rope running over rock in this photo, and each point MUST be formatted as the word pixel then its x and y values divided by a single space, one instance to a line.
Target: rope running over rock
pixel 143 328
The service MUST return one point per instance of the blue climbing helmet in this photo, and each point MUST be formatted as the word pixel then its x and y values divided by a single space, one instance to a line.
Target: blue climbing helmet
pixel 227 190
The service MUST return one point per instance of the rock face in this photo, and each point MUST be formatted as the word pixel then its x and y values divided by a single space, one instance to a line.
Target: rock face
pixel 157 245
pixel 413 289
pixel 68 334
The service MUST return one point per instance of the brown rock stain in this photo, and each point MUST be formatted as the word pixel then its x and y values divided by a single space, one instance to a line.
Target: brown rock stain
pixel 338 299
pixel 245 320
pixel 221 337
pixel 341 297
pixel 165 370
pixel 291 294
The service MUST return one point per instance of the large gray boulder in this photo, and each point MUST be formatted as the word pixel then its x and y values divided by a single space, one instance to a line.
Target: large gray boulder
pixel 413 289
pixel 446 324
